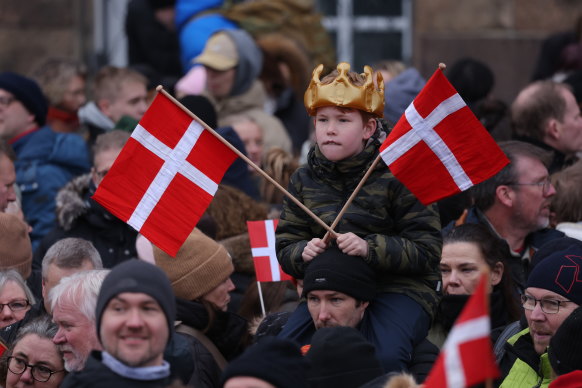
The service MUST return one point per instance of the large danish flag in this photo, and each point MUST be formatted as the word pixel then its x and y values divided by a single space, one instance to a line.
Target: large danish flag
pixel 262 238
pixel 467 355
pixel 166 175
pixel 438 147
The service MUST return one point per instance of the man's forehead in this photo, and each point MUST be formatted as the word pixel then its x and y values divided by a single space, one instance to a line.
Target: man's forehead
pixel 541 293
pixel 5 93
pixel 328 293
pixel 134 297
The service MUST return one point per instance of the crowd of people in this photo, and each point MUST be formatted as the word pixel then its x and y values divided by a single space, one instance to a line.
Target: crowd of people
pixel 86 301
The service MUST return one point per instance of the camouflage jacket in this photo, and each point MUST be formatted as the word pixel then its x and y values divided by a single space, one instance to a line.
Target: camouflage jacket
pixel 402 234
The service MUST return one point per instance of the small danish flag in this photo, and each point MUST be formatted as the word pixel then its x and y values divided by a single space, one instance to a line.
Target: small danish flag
pixel 166 175
pixel 262 238
pixel 438 147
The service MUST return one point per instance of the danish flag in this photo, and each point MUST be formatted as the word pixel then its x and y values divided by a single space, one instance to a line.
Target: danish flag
pixel 262 238
pixel 166 175
pixel 438 147
pixel 467 355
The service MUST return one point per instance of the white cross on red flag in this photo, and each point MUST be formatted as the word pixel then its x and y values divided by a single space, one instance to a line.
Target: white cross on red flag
pixel 166 175
pixel 467 355
pixel 262 238
pixel 438 147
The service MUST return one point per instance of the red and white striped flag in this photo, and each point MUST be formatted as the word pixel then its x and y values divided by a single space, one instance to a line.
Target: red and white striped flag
pixel 166 175
pixel 262 238
pixel 438 147
pixel 467 356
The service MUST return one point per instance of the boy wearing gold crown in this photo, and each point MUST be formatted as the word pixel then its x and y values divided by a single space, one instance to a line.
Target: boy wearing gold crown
pixel 385 224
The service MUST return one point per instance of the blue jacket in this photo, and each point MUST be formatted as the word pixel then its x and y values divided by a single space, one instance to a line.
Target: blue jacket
pixel 45 162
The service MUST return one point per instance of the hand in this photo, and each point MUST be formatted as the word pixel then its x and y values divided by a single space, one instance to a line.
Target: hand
pixel 313 248
pixel 352 245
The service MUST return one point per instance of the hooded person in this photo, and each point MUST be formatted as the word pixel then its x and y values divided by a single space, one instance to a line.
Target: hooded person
pixel 200 278
pixel 233 63
pixel 134 319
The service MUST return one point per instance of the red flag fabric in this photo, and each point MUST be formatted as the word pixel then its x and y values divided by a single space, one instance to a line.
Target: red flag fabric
pixel 262 238
pixel 438 147
pixel 166 175
pixel 467 356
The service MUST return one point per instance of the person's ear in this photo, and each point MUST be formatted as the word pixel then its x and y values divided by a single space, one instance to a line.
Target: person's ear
pixel 505 194
pixel 369 128
pixel 497 273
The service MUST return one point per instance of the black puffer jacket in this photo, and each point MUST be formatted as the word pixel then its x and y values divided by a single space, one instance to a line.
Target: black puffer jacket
pixel 228 333
pixel 80 216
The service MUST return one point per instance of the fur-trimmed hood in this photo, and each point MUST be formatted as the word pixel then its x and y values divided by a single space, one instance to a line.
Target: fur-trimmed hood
pixel 71 201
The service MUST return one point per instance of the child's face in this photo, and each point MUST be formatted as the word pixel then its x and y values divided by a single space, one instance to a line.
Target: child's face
pixel 341 134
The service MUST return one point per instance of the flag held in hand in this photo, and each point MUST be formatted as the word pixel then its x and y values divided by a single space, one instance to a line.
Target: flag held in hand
pixel 467 356
pixel 166 175
pixel 262 238
pixel 438 147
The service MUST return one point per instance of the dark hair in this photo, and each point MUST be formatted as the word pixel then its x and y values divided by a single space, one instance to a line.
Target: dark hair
pixel 473 79
pixel 494 250
pixel 484 193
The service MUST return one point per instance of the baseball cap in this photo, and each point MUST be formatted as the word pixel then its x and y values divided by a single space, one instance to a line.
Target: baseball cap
pixel 219 53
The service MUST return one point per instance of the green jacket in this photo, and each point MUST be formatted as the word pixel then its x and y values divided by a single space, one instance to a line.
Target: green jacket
pixel 528 369
pixel 403 235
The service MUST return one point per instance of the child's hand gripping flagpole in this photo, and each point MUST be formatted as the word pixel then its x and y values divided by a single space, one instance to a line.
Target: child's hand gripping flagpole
pixel 350 199
pixel 248 161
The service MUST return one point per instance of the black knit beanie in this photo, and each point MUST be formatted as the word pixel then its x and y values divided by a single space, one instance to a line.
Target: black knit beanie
pixel 336 271
pixel 274 360
pixel 137 276
pixel 28 93
pixel 341 357
pixel 558 272
pixel 564 351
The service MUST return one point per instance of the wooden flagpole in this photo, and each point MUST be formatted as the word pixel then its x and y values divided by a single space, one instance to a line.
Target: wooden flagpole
pixel 351 198
pixel 261 299
pixel 248 161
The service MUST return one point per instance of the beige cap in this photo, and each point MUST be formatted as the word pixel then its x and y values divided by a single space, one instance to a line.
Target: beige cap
pixel 219 53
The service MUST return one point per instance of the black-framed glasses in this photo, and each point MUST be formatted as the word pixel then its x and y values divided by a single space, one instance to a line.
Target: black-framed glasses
pixel 549 306
pixel 545 184
pixel 16 305
pixel 40 373
pixel 6 100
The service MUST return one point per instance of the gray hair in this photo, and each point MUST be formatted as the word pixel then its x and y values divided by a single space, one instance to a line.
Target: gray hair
pixel 79 290
pixel 42 326
pixel 12 275
pixel 71 253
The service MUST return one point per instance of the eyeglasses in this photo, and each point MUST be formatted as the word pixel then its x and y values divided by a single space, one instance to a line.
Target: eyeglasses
pixel 15 305
pixel 39 372
pixel 5 101
pixel 549 306
pixel 545 184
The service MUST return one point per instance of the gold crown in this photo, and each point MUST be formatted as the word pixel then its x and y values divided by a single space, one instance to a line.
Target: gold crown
pixel 342 92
